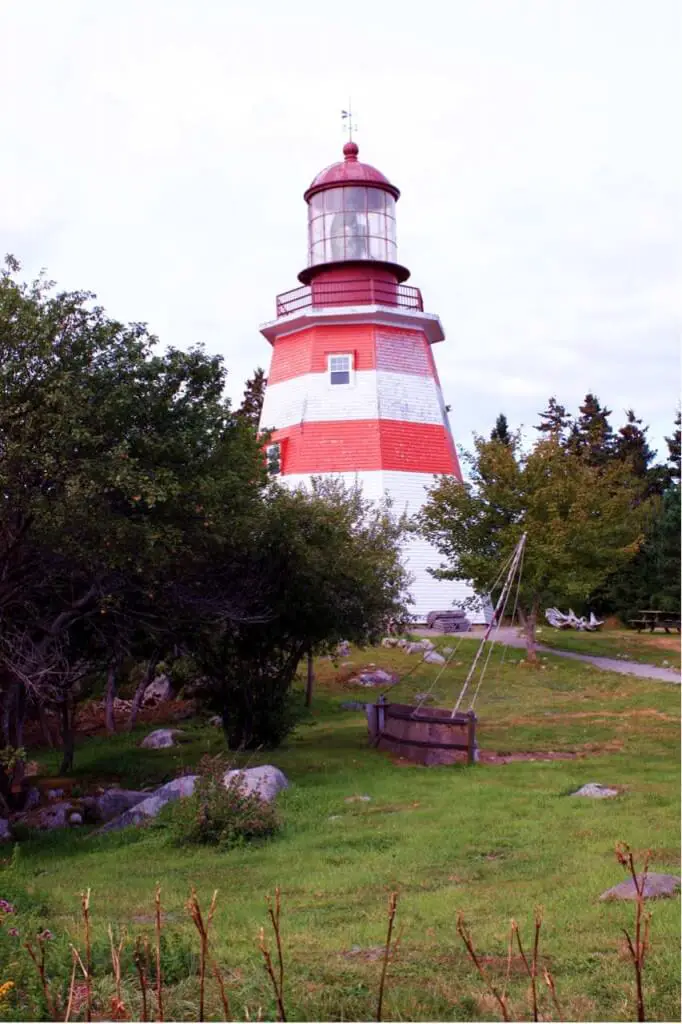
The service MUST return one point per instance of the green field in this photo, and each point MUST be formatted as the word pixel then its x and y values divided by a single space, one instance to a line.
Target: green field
pixel 494 841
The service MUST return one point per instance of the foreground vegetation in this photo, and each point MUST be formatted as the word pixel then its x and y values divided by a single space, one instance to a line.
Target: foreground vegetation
pixel 493 841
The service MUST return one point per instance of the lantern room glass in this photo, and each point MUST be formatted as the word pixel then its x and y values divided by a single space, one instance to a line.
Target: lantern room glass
pixel 352 222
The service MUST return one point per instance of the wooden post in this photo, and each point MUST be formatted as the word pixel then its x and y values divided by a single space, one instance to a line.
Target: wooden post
pixel 381 715
pixel 309 681
pixel 471 737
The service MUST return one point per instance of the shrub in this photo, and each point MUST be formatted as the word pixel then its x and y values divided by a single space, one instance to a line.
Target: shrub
pixel 216 815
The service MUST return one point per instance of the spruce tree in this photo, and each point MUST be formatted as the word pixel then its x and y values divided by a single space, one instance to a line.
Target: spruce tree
pixel 673 443
pixel 591 435
pixel 252 401
pixel 554 421
pixel 500 431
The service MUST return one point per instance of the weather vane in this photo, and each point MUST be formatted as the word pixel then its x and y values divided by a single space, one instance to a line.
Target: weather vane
pixel 347 119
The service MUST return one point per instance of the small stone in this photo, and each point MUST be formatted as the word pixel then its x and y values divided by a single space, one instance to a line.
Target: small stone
pixel 160 738
pixel 434 658
pixel 216 721
pixel 357 799
pixel 334 817
pixel 447 650
pixel 655 887
pixel 595 790
pixel 415 648
pixel 75 818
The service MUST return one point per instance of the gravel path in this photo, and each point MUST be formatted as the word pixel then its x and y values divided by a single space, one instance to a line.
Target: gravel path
pixel 628 668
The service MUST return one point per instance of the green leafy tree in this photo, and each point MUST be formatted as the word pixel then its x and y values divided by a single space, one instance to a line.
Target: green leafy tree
pixel 119 467
pixel 325 567
pixel 582 523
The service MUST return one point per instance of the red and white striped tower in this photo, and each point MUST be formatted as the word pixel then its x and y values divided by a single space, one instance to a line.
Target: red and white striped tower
pixel 353 389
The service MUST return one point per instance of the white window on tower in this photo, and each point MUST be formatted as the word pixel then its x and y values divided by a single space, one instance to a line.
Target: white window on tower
pixel 273 456
pixel 340 369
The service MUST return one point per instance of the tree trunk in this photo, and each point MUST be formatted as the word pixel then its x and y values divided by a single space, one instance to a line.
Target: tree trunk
pixel 10 701
pixel 139 692
pixel 67 736
pixel 110 696
pixel 20 716
pixel 45 725
pixel 529 626
pixel 310 679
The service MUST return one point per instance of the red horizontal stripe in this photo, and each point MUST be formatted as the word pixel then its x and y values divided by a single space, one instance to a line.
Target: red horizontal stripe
pixel 383 347
pixel 347 446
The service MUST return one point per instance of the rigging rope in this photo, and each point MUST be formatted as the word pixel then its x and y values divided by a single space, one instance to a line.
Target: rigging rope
pixel 501 604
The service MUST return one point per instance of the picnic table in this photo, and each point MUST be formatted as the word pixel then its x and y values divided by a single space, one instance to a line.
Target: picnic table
pixel 654 618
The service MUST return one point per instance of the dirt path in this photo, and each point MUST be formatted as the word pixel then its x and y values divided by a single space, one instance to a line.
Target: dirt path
pixel 629 668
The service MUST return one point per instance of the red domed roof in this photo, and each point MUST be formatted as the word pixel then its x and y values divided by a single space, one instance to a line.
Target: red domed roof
pixel 350 171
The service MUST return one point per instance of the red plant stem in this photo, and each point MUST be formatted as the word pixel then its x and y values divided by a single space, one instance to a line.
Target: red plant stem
pixel 392 905
pixel 159 982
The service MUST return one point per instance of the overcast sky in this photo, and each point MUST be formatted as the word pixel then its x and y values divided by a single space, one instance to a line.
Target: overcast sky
pixel 156 152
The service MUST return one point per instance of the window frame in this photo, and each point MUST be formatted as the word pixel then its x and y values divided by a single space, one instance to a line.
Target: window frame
pixel 350 356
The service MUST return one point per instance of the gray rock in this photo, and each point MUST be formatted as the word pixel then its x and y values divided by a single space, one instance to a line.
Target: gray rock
pixel 415 648
pixel 655 887
pixel 152 804
pixel 434 658
pixel 595 790
pixel 75 818
pixel 5 833
pixel 266 781
pixel 113 802
pixel 376 678
pixel 55 815
pixel 447 650
pixel 357 799
pixel 159 689
pixel 160 738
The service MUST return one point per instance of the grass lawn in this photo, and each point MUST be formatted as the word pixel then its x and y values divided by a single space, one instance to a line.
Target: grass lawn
pixel 493 841
pixel 651 648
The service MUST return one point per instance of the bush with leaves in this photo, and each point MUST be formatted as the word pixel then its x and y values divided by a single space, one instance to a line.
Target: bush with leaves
pixel 219 815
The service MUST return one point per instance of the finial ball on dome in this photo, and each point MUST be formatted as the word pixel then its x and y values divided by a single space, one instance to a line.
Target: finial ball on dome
pixel 350 151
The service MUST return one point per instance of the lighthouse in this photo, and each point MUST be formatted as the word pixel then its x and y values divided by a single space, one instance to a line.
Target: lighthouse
pixel 353 390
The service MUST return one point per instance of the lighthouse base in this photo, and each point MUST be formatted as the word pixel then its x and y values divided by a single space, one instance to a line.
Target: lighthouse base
pixel 407 491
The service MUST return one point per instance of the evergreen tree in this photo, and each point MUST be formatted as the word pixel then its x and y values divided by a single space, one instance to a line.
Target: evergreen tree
pixel 252 401
pixel 554 421
pixel 674 449
pixel 631 446
pixel 591 435
pixel 500 431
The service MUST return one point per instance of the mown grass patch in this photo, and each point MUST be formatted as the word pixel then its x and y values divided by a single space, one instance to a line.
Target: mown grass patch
pixel 493 841
pixel 623 644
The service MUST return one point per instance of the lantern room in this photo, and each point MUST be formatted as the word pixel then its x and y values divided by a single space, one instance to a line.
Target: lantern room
pixel 351 218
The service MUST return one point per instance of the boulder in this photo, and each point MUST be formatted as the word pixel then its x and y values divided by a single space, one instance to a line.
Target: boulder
pixel 55 815
pixel 159 689
pixel 5 833
pixel 266 781
pixel 655 887
pixel 160 738
pixel 112 803
pixel 595 790
pixel 415 648
pixel 375 678
pixel 389 641
pixel 434 658
pixel 152 804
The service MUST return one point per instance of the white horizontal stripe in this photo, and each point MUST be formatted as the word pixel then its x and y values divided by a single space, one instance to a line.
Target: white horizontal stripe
pixel 408 493
pixel 372 394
